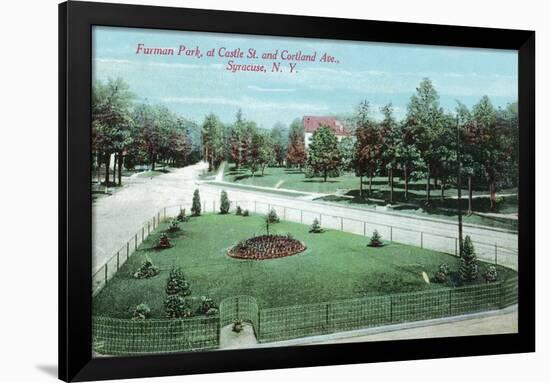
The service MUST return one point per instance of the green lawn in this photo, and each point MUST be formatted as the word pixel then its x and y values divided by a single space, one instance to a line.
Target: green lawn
pixel 336 265
pixel 345 189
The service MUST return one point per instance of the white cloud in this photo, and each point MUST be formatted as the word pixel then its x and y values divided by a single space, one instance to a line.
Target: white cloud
pixel 251 103
pixel 262 89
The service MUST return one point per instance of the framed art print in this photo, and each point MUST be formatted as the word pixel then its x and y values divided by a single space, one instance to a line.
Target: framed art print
pixel 286 191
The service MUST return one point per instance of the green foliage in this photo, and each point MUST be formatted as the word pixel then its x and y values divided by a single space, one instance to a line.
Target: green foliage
pixel 224 203
pixel 207 306
pixel 440 277
pixel 174 226
pixel 491 274
pixel 176 283
pixel 196 206
pixel 164 242
pixel 182 217
pixel 246 213
pixel 346 148
pixel 375 240
pixel 176 306
pixel 142 311
pixel 315 227
pixel 146 270
pixel 296 152
pixel 324 157
pixel 272 216
pixel 239 211
pixel 445 269
pixel 469 267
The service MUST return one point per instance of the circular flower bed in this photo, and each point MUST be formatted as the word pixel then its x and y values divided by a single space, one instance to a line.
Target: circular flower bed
pixel 267 247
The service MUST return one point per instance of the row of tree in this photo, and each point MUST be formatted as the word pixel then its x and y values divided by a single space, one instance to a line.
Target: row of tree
pixel 425 144
pixel 134 133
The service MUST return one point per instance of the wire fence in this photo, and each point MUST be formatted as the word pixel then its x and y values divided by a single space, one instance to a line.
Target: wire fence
pixel 490 252
pixel 134 337
pixel 283 323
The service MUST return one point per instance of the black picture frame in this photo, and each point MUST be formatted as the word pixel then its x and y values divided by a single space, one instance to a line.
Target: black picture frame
pixel 75 299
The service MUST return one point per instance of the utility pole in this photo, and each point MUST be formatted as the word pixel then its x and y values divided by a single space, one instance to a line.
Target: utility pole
pixel 459 185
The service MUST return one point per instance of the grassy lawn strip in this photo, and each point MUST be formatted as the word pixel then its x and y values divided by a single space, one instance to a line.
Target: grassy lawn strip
pixel 252 188
pixel 336 265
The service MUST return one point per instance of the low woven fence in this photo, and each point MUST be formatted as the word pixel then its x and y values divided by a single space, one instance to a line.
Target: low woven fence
pixel 291 322
pixel 134 337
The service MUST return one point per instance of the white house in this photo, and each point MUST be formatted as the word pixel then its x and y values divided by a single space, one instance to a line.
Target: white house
pixel 312 123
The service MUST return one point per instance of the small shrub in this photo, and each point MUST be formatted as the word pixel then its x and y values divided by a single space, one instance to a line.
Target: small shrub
pixel 142 311
pixel 164 242
pixel 224 203
pixel 239 211
pixel 491 274
pixel 315 227
pixel 146 270
pixel 174 226
pixel 196 206
pixel 246 213
pixel 182 217
pixel 176 306
pixel 207 306
pixel 176 283
pixel 376 239
pixel 445 269
pixel 290 236
pixel 272 216
pixel 440 277
pixel 237 326
pixel 469 268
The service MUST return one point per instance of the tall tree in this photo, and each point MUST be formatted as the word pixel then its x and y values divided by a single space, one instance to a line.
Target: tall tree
pixel 389 151
pixel 296 153
pixel 425 117
pixel 212 140
pixel 324 156
pixel 280 142
pixel 346 147
pixel 367 146
pixel 111 122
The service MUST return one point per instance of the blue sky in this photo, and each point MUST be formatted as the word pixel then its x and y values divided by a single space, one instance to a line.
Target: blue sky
pixel 380 73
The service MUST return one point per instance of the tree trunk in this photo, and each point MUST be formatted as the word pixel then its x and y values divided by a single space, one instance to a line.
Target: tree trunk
pixel 391 184
pixel 428 185
pixel 98 159
pixel 360 186
pixel 325 175
pixel 406 175
pixel 469 194
pixel 435 181
pixel 492 190
pixel 443 191
pixel 370 184
pixel 107 166
pixel 120 163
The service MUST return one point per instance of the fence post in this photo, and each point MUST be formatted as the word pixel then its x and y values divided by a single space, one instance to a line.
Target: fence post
pixel 142 234
pixel 158 218
pixel 301 216
pixel 117 260
pixel 154 218
pixel 391 233
pixel 391 308
pixel 320 219
pixel 213 206
pixel 450 301
pixel 127 250
pixel 135 242
pixel 164 213
pixel 341 223
pixel 456 247
pixel 148 228
pixel 284 213
pixel 326 314
pixel 421 239
pixel 105 273
pixel 364 228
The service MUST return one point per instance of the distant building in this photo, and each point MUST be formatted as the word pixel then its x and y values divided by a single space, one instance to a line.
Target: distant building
pixel 312 123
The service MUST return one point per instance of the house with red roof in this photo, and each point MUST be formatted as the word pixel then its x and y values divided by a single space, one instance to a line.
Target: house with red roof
pixel 312 123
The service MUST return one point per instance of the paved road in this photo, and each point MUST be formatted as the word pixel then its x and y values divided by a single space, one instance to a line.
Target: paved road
pixel 116 218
